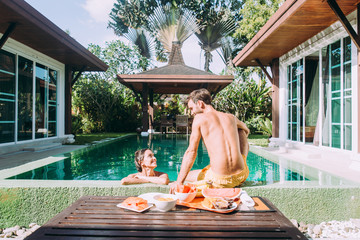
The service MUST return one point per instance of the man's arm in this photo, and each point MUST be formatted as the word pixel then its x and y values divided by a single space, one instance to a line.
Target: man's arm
pixel 242 126
pixel 190 154
pixel 244 144
pixel 243 132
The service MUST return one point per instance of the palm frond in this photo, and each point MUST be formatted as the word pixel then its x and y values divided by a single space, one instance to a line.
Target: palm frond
pixel 169 24
pixel 143 40
pixel 210 36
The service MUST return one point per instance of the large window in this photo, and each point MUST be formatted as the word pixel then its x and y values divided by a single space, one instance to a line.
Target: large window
pixel 334 121
pixel 7 97
pixel 28 99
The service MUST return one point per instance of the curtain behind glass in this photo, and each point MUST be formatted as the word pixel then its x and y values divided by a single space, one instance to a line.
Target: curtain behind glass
pixel 25 98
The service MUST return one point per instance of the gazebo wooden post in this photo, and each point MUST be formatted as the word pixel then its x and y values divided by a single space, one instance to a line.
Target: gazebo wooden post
pixel 144 106
pixel 151 110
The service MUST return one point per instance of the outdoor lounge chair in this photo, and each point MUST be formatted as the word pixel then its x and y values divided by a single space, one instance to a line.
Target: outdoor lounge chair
pixel 182 121
pixel 165 123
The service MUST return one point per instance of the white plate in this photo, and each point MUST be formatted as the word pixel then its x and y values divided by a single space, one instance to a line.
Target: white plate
pixel 233 206
pixel 150 205
pixel 149 196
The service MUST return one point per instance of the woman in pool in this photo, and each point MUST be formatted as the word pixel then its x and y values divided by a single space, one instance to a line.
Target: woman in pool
pixel 145 163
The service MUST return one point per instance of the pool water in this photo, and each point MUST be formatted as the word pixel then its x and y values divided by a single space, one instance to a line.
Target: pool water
pixel 115 160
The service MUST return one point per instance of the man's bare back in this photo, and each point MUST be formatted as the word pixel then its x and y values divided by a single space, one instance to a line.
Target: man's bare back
pixel 220 133
pixel 220 136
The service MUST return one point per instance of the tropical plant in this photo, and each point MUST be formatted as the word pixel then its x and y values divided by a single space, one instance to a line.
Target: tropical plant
pixel 168 24
pixel 143 40
pixel 217 19
pixel 211 36
pixel 246 100
pixel 102 102
pixel 165 22
pixel 255 13
pixel 266 126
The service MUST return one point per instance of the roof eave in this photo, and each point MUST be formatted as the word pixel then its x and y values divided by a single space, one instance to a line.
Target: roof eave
pixel 37 21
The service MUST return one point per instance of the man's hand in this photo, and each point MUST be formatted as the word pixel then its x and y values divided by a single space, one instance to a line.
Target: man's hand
pixel 173 186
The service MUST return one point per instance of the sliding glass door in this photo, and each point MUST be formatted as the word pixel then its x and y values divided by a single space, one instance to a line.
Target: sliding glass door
pixel 41 102
pixel 295 92
pixel 331 115
pixel 336 87
pixel 7 96
pixel 28 99
pixel 52 103
pixel 46 102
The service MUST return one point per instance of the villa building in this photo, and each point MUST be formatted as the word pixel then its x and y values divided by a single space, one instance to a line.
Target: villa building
pixel 312 49
pixel 38 62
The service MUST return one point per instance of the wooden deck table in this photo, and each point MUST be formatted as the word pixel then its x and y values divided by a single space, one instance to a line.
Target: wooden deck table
pixel 98 217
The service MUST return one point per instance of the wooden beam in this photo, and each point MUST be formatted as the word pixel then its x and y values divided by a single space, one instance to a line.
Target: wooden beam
pixel 345 22
pixel 68 100
pixel 135 93
pixel 7 33
pixel 77 76
pixel 264 70
pixel 216 92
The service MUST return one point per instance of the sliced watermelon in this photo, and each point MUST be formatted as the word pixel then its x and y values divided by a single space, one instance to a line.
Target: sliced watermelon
pixel 221 192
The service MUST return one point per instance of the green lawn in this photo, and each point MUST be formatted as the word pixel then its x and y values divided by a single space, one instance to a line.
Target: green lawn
pixel 259 139
pixel 82 139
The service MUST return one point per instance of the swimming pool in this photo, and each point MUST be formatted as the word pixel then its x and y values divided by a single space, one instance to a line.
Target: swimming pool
pixel 115 160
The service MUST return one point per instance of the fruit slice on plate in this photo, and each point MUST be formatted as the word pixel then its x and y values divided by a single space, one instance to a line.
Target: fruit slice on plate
pixel 221 192
pixel 135 203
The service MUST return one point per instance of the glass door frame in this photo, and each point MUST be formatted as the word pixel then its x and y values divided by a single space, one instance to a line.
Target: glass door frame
pixel 301 139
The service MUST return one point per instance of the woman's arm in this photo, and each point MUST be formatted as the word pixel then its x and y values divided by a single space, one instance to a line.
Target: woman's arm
pixel 132 179
pixel 160 178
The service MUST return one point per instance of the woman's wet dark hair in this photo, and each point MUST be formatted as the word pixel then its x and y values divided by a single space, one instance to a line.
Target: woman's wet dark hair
pixel 139 156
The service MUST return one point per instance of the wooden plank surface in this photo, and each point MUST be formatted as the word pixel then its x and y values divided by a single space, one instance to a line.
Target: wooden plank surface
pixel 93 217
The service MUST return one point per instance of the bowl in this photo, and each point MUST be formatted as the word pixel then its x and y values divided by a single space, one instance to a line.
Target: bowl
pixel 165 206
pixel 186 197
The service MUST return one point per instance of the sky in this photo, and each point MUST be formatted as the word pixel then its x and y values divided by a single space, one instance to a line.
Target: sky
pixel 87 22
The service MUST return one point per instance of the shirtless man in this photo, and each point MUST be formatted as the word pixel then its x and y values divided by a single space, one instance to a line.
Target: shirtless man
pixel 220 133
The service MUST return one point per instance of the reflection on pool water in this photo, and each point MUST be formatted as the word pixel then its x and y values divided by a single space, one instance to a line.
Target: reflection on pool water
pixel 115 160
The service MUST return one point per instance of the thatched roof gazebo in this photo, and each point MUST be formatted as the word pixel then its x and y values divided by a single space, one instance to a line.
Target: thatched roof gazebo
pixel 174 78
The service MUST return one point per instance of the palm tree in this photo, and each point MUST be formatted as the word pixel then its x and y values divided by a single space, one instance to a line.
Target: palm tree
pixel 164 25
pixel 211 36
pixel 168 24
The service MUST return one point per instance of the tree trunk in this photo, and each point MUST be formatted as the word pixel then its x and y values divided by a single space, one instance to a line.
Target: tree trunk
pixel 207 60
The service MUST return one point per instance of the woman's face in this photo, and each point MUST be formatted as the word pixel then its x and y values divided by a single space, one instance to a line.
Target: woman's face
pixel 149 160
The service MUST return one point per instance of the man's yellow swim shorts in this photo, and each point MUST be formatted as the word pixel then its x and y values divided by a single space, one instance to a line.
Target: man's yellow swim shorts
pixel 224 181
